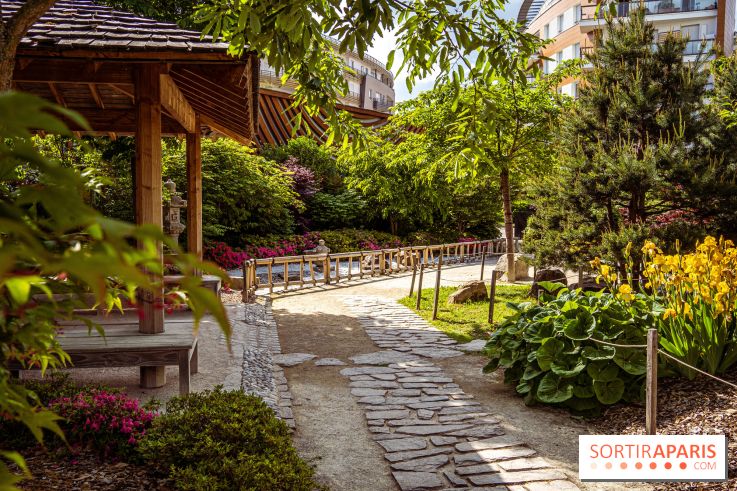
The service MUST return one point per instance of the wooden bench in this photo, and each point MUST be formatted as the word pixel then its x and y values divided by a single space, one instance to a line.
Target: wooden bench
pixel 124 346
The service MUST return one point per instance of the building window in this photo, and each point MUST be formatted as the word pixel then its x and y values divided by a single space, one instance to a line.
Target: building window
pixel 546 31
pixel 577 13
pixel 560 23
pixel 574 90
pixel 691 32
pixel 576 51
pixel 558 57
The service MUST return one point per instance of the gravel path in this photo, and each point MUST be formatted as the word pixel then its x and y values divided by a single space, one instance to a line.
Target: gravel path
pixel 409 410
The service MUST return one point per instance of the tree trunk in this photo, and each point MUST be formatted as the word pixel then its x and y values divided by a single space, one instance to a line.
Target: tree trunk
pixel 393 225
pixel 11 33
pixel 508 223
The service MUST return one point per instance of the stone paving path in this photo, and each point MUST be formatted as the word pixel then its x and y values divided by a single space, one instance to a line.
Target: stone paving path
pixel 434 435
pixel 259 373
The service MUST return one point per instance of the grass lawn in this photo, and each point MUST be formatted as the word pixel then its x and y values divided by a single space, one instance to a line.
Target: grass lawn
pixel 467 321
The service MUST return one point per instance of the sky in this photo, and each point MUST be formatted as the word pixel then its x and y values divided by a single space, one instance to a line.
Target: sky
pixel 383 45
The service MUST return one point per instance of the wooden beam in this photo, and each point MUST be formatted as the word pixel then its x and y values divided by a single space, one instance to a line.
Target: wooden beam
pixel 96 96
pixel 225 131
pixel 123 90
pixel 148 196
pixel 176 103
pixel 73 72
pixel 194 191
pixel 57 95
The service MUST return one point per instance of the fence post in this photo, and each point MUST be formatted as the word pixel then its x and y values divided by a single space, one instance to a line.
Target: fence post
pixel 326 269
pixel 382 262
pixel 492 294
pixel 271 277
pixel 246 292
pixel 437 287
pixel 651 408
pixel 412 286
pixel 419 287
pixel 483 261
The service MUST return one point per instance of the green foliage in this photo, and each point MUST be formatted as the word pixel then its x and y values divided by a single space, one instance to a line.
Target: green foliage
pixel 242 193
pixel 311 154
pixel 345 209
pixel 548 354
pixel 467 321
pixel 348 240
pixel 454 42
pixel 637 152
pixel 223 440
pixel 51 241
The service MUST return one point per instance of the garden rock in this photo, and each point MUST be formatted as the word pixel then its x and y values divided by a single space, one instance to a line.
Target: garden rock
pixel 473 291
pixel 475 346
pixel 235 282
pixel 552 275
pixel 292 359
pixel 588 285
pixel 521 268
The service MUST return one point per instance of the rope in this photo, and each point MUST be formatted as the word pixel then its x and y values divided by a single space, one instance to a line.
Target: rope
pixel 618 345
pixel 696 369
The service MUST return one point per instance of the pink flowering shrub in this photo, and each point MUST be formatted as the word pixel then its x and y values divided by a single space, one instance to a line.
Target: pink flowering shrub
pixel 111 423
pixel 225 256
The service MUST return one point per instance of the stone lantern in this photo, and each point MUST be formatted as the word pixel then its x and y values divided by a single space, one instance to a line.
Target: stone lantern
pixel 173 225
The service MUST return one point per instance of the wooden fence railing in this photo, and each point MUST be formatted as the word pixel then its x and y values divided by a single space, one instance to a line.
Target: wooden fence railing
pixel 310 270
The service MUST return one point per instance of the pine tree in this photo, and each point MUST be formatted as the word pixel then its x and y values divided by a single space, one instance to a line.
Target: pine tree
pixel 628 149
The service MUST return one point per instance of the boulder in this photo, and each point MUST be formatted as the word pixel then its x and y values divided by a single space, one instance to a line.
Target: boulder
pixel 588 285
pixel 552 275
pixel 473 290
pixel 521 267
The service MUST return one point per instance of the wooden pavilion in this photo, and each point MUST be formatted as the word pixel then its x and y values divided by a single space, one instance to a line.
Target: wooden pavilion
pixel 128 75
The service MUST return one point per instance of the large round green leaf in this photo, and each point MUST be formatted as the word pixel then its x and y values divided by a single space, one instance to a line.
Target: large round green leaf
pixel 553 389
pixel 609 392
pixel 583 386
pixel 632 360
pixel 581 327
pixel 602 371
pixel 568 366
pixel 600 353
pixel 531 372
pixel 548 352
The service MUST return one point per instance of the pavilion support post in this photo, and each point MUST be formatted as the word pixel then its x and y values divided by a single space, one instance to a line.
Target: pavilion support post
pixel 148 196
pixel 194 191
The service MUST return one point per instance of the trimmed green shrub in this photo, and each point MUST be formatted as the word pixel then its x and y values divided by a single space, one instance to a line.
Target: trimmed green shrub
pixel 549 356
pixel 224 440
pixel 332 211
pixel 350 239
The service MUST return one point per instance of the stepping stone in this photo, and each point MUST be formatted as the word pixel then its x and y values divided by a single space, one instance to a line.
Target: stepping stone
pixel 385 357
pixel 430 429
pixel 366 392
pixel 403 444
pixel 490 443
pixel 435 380
pixel 443 440
pixel 523 464
pixel 375 384
pixel 516 477
pixel 409 455
pixel 436 352
pixel 292 359
pixel 422 464
pixel 454 479
pixel 329 362
pixel 402 413
pixel 384 376
pixel 425 414
pixel 442 392
pixel 408 481
pixel 405 393
pixel 462 417
pixel 372 400
pixel 493 455
pixel 469 470
pixel 547 485
pixel 480 431
pixel 475 346
pixel 349 372
pixel 411 422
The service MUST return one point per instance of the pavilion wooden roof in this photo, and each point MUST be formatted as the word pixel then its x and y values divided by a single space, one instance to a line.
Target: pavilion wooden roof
pixel 276 116
pixel 84 56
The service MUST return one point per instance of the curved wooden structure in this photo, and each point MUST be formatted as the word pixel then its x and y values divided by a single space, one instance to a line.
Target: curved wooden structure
pixel 275 116
pixel 130 75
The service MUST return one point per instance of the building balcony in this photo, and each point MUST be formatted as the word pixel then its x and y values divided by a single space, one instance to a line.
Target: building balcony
pixel 382 106
pixel 693 48
pixel 591 19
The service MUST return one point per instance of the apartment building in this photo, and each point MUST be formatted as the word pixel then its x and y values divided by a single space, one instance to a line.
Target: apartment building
pixel 570 25
pixel 371 85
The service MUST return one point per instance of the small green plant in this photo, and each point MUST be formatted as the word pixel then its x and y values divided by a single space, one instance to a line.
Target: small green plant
pixel 548 351
pixel 224 440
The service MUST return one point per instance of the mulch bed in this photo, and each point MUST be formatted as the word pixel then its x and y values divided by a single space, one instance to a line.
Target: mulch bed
pixel 685 407
pixel 85 471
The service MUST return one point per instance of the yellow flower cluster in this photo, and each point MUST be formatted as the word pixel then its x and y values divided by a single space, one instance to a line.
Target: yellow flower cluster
pixel 702 279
